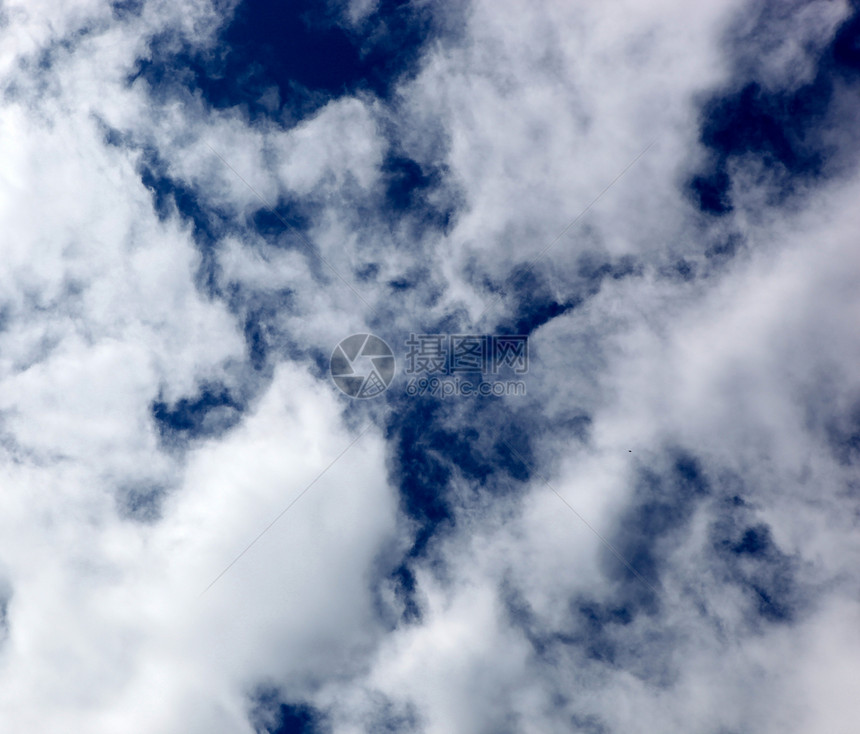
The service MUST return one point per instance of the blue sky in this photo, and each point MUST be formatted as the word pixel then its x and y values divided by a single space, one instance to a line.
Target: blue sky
pixel 200 533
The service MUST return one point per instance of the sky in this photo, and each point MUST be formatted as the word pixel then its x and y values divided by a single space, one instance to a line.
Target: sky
pixel 201 532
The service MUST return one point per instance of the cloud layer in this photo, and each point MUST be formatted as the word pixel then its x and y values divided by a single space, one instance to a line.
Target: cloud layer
pixel 199 533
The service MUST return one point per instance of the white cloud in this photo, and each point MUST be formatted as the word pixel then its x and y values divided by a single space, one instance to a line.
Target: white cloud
pixel 529 113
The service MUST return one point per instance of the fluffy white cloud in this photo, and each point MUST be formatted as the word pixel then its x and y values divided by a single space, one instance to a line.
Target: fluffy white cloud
pixel 714 434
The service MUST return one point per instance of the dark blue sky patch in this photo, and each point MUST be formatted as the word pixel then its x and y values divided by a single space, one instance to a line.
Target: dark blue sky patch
pixel 5 599
pixel 431 441
pixel 513 454
pixel 755 541
pixel 56 52
pixel 114 137
pixel 594 268
pixel 588 724
pixel 682 269
pixel 171 196
pixel 486 441
pixel 689 478
pixel 140 502
pixel 415 290
pixel 402 284
pixel 126 9
pixel 846 46
pixel 414 203
pixel 368 272
pixel 535 301
pixel 462 449
pixel 284 224
pixel 284 60
pixel 293 42
pixel 405 180
pixel 599 630
pixel 663 504
pixel 521 616
pixel 603 632
pixel 397 598
pixel 272 714
pixel 288 226
pixel 769 125
pixel 167 68
pixel 787 131
pixel 832 417
pixel 576 424
pixel 842 433
pixel 420 193
pixel 534 314
pixel 406 592
pixel 474 273
pixel 36 79
pixel 414 278
pixel 717 244
pixel 211 412
pixel 421 475
pixel 711 189
pixel 724 249
pixel 593 635
pixel 596 632
pixel 258 337
pixel 320 362
pixel 390 718
pixel 5 316
pixel 265 337
pixel 749 558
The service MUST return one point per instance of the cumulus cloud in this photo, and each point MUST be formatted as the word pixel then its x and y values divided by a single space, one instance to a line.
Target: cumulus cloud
pixel 199 533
